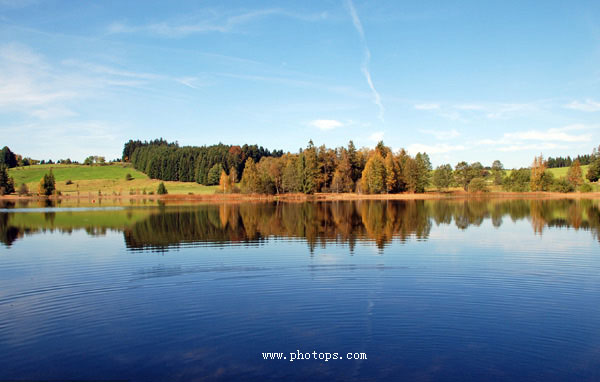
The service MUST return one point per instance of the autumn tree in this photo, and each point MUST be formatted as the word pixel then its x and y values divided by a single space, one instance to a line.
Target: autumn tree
pixel 392 173
pixel 538 168
pixel 575 175
pixel 225 183
pixel 373 180
pixel 342 180
pixel 250 182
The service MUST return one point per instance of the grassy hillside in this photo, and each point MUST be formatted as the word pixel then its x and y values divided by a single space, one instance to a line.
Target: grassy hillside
pixel 108 179
pixel 561 172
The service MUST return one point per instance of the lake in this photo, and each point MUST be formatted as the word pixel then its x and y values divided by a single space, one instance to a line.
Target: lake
pixel 449 290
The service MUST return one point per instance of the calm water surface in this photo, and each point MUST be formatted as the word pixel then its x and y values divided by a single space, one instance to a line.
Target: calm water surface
pixel 475 290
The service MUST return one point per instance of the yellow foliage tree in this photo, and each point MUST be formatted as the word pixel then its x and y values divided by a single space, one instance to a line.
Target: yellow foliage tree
pixel 538 168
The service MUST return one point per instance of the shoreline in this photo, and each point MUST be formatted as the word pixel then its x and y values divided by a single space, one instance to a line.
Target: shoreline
pixel 316 197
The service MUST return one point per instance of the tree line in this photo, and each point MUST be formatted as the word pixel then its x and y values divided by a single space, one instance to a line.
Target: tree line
pixel 584 160
pixel 162 160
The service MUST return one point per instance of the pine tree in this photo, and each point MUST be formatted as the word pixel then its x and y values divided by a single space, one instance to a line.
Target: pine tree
pixel 47 184
pixel 7 184
pixel 162 189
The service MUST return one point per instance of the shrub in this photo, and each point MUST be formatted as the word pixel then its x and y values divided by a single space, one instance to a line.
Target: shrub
pixel 586 187
pixel 161 190
pixel 23 190
pixel 128 177
pixel 562 185
pixel 477 185
pixel 68 182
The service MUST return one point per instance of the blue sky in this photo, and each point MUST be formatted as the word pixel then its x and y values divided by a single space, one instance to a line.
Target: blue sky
pixel 466 80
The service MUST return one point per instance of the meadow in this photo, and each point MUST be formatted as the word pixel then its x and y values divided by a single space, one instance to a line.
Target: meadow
pixel 109 179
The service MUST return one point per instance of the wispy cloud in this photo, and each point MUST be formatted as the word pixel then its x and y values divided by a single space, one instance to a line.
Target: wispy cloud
pixel 367 59
pixel 28 83
pixel 32 85
pixel 587 105
pixel 208 22
pixel 326 124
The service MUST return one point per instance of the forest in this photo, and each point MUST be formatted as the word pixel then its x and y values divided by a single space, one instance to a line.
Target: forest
pixel 252 169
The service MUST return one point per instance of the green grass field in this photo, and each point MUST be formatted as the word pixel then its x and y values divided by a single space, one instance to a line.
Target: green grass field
pixel 108 179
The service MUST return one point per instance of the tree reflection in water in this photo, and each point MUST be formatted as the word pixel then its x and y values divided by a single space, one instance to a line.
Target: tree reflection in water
pixel 318 223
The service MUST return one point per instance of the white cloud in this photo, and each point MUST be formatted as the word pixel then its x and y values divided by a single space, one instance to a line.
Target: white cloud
pixel 433 149
pixel 587 105
pixel 553 138
pixel 376 136
pixel 550 135
pixel 326 124
pixel 427 106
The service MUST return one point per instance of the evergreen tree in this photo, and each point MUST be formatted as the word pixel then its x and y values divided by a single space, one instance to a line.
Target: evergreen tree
pixel 7 184
pixel 355 165
pixel 423 172
pixel 162 189
pixel 593 173
pixel 289 179
pixel 47 184
pixel 307 169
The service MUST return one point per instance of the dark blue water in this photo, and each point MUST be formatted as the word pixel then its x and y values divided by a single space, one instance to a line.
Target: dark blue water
pixel 426 292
